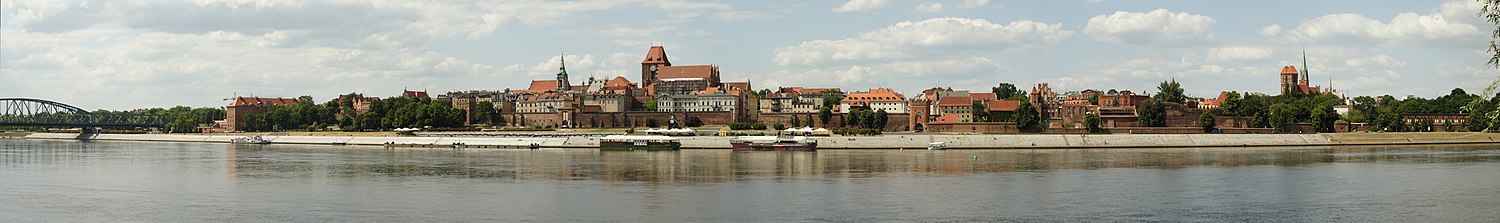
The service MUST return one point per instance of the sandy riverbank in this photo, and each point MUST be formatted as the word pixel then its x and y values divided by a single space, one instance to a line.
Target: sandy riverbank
pixel 1021 141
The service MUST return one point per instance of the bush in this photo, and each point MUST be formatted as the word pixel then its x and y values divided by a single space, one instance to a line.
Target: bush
pixel 1092 122
pixel 693 122
pixel 741 126
pixel 779 126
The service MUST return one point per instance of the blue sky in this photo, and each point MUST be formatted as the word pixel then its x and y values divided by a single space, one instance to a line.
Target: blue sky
pixel 134 53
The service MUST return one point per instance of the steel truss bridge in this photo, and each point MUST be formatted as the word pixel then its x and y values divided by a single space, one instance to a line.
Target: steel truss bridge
pixel 45 113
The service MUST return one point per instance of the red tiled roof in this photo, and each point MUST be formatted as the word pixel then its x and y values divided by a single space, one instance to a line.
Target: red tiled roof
pixel 738 85
pixel 874 95
pixel 538 86
pixel 656 55
pixel 956 101
pixel 618 81
pixel 982 96
pixel 1004 105
pixel 694 71
pixel 414 94
pixel 253 101
pixel 1289 70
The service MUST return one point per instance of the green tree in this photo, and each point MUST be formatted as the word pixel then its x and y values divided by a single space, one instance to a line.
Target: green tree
pixel 1323 118
pixel 484 112
pixel 1207 121
pixel 1026 116
pixel 825 114
pixel 832 98
pixel 980 112
pixel 1282 114
pixel 650 106
pixel 1094 99
pixel 851 118
pixel 1490 11
pixel 1231 104
pixel 1354 116
pixel 795 121
pixel 1092 121
pixel 1169 91
pixel 866 119
pixel 1006 91
pixel 1151 113
pixel 880 119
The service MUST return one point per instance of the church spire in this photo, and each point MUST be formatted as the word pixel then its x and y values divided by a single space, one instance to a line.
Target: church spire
pixel 562 74
pixel 1304 64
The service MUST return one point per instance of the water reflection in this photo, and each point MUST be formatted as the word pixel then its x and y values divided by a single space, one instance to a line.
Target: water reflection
pixel 690 166
pixel 705 166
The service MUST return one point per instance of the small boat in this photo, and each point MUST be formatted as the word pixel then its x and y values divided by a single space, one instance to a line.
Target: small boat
pixel 632 143
pixel 250 140
pixel 937 146
pixel 773 143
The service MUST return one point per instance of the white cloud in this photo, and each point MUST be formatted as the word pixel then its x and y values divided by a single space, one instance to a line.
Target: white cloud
pixel 1239 53
pixel 970 4
pixel 1467 70
pixel 934 72
pixel 1269 31
pixel 1375 60
pixel 208 49
pixel 936 36
pixel 1157 27
pixel 930 7
pixel 862 5
pixel 853 74
pixel 1405 28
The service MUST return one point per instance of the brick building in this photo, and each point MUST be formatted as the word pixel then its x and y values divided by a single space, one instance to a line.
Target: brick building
pixel 877 99
pixel 241 107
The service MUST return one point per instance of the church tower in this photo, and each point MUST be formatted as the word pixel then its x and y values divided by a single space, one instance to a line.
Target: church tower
pixel 1303 74
pixel 1289 80
pixel 562 74
pixel 656 58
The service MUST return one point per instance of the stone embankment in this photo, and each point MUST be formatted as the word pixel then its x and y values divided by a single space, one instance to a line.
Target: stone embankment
pixel 1020 141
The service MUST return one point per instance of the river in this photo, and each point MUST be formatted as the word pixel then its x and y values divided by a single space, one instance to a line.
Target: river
pixel 103 181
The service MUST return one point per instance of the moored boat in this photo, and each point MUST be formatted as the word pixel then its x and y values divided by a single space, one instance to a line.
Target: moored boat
pixel 773 143
pixel 631 143
pixel 250 140
pixel 937 146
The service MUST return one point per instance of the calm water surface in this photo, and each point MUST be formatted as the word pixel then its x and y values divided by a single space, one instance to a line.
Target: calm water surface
pixel 70 181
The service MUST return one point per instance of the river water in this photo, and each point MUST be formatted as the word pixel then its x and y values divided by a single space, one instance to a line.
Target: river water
pixel 70 181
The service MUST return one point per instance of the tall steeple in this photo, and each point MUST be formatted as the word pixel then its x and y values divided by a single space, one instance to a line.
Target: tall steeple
pixel 562 74
pixel 1304 65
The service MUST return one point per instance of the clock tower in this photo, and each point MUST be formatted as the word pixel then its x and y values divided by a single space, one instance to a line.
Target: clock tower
pixel 656 58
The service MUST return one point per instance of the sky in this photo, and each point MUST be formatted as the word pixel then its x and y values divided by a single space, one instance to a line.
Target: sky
pixel 127 54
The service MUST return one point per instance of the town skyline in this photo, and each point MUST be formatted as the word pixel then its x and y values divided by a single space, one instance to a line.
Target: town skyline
pixel 99 57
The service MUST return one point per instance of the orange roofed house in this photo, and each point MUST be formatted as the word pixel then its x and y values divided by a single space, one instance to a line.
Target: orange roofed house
pixel 877 99
pixel 242 107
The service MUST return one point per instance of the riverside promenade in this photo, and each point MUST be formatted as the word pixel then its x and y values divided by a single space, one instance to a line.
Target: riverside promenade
pixel 1006 141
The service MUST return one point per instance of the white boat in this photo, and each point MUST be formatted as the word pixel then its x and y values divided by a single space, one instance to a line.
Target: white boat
pixel 250 140
pixel 773 143
pixel 937 146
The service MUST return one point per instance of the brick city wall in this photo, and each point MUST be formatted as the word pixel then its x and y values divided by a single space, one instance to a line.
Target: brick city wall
pixel 615 119
pixel 893 122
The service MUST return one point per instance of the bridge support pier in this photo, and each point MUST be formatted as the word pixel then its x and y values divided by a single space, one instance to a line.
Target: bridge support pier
pixel 86 133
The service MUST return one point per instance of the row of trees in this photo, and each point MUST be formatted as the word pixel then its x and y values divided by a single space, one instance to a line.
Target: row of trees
pixel 305 115
pixel 401 112
pixel 866 119
pixel 180 118
pixel 1384 112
